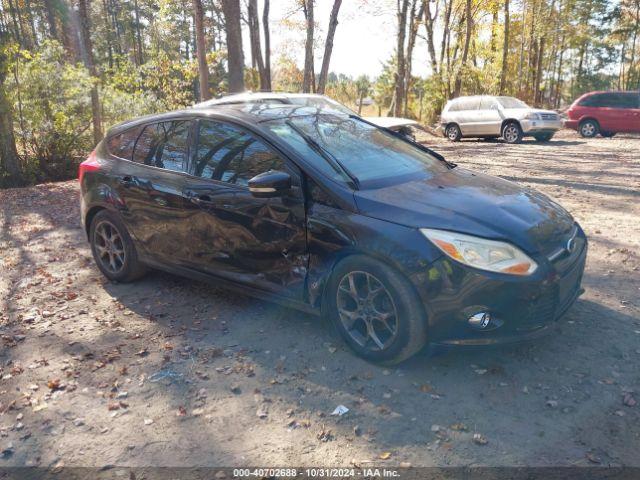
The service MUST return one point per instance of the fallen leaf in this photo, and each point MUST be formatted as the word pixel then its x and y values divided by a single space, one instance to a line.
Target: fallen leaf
pixel 54 384
pixel 385 456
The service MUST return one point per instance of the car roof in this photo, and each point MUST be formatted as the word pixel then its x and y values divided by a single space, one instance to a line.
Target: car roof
pixel 246 97
pixel 253 113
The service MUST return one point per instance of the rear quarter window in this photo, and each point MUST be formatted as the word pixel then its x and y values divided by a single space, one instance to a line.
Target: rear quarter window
pixel 122 144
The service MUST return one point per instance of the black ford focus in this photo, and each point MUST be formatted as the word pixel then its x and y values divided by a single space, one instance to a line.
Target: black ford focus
pixel 330 214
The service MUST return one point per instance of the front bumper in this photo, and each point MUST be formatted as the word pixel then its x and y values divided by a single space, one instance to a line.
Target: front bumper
pixel 530 127
pixel 521 308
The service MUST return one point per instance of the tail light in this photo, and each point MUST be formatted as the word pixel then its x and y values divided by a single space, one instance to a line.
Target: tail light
pixel 91 164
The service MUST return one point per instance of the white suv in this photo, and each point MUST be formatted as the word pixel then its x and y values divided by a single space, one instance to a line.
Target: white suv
pixel 490 117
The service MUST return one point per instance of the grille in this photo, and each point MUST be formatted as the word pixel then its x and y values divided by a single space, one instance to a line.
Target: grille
pixel 549 116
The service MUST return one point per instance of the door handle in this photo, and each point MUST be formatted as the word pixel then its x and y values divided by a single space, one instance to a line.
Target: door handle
pixel 201 200
pixel 127 181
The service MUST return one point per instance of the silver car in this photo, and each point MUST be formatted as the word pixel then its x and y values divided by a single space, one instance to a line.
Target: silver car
pixel 487 116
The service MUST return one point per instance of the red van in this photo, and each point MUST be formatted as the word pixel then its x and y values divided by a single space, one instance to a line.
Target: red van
pixel 606 113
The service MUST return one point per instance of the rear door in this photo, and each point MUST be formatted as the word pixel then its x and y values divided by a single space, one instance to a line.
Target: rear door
pixel 469 114
pixel 629 104
pixel 489 118
pixel 151 187
pixel 257 241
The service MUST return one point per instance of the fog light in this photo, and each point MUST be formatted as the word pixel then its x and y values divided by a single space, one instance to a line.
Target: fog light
pixel 480 320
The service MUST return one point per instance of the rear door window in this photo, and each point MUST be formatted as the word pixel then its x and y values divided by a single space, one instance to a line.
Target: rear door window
pixel 470 103
pixel 164 145
pixel 122 144
pixel 229 154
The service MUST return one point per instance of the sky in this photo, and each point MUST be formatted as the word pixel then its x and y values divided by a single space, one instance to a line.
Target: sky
pixel 365 36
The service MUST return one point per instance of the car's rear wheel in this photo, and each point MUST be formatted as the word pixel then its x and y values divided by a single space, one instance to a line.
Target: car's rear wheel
pixel 543 137
pixel 112 248
pixel 376 310
pixel 589 128
pixel 512 133
pixel 453 132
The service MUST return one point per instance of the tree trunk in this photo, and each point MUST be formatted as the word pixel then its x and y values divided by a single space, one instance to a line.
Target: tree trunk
pixel 428 23
pixel 414 22
pixel 254 38
pixel 201 51
pixel 465 51
pixel 328 46
pixel 522 37
pixel 267 45
pixel 17 24
pixel 235 57
pixel 139 50
pixel 51 18
pixel 505 49
pixel 307 80
pixel 70 31
pixel 403 6
pixel 538 79
pixel 9 160
pixel 87 54
pixel 631 69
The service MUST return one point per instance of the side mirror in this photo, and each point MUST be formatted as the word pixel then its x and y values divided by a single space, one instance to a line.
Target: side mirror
pixel 270 184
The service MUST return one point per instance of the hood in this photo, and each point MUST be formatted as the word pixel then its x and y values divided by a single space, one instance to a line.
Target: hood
pixel 468 202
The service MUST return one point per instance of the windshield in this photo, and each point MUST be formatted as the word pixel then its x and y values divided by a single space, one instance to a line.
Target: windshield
pixel 510 102
pixel 347 147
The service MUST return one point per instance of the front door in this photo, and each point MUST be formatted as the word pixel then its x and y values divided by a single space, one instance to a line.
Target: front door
pixel 257 241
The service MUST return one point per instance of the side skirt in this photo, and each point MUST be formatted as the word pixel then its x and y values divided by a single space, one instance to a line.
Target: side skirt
pixel 234 286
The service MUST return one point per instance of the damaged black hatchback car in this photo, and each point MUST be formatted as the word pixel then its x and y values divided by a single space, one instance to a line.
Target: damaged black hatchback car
pixel 325 212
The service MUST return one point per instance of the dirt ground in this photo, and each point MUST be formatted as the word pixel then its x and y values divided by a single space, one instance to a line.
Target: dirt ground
pixel 172 372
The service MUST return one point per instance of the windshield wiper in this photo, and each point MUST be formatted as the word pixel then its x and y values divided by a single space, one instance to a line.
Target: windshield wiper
pixel 323 152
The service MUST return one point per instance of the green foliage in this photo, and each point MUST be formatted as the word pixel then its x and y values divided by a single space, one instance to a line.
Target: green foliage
pixel 52 108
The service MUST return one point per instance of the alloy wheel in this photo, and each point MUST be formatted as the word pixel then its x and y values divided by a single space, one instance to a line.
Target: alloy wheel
pixel 588 129
pixel 109 247
pixel 367 310
pixel 511 133
pixel 452 133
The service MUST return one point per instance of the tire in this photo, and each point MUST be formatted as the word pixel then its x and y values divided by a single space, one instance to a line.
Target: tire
pixel 512 133
pixel 453 133
pixel 543 137
pixel 108 237
pixel 404 330
pixel 607 134
pixel 588 128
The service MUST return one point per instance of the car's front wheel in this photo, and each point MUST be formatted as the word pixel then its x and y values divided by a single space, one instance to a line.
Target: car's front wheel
pixel 112 248
pixel 512 133
pixel 376 310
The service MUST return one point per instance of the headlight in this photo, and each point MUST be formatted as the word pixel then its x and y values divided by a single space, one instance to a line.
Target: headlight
pixel 476 252
pixel 532 116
